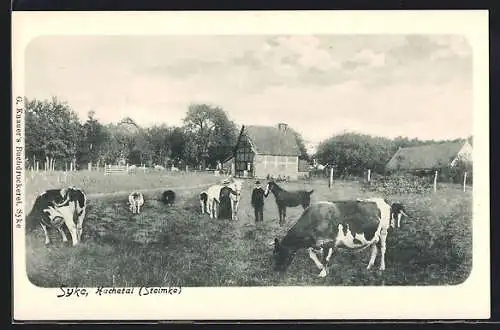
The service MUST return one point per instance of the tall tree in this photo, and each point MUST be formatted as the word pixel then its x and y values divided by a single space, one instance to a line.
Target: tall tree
pixel 210 134
pixel 352 153
pixel 301 144
pixel 53 131
pixel 95 136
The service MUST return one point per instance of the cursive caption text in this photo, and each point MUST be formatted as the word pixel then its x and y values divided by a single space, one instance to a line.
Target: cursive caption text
pixel 66 292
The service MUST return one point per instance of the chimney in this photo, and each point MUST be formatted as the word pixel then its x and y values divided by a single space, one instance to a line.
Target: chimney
pixel 282 127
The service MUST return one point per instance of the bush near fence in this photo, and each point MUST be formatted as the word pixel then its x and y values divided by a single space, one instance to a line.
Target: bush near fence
pixel 399 184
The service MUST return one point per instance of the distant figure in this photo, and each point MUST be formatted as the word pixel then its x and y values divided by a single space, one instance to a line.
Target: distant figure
pixel 258 202
pixel 168 197
pixel 225 207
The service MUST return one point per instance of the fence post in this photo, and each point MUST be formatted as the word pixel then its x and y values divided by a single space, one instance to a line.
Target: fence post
pixel 330 178
pixel 435 180
pixel 89 166
pixel 369 175
pixel 465 179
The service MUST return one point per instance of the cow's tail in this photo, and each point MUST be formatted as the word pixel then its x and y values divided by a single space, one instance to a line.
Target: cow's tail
pixel 310 192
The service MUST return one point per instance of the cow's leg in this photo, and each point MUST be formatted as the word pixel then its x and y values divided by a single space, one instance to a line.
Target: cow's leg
pixel 63 235
pixel 372 256
pixel 79 224
pixel 383 240
pixel 318 263
pixel 210 206
pixel 215 209
pixel 202 206
pixel 399 219
pixel 72 229
pixel 47 239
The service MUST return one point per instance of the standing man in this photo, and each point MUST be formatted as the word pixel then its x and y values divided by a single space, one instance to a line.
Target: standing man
pixel 258 202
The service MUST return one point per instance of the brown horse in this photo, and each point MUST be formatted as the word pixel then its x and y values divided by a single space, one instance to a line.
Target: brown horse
pixel 286 199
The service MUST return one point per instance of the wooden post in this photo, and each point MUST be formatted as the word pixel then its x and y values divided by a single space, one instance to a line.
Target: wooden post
pixel 369 175
pixel 37 165
pixel 330 179
pixel 435 180
pixel 186 168
pixel 465 179
pixel 89 166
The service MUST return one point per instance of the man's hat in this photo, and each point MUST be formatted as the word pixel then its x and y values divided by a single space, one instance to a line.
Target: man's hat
pixel 225 181
pixel 257 182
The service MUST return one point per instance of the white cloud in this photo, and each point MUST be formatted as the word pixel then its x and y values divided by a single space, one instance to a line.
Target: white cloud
pixel 305 48
pixel 109 80
pixel 451 46
pixel 370 58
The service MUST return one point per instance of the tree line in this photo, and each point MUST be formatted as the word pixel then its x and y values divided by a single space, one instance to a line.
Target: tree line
pixel 56 137
pixel 353 153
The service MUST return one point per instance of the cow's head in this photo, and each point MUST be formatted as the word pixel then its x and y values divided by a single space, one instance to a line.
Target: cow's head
pixel 282 256
pixel 55 217
pixel 397 212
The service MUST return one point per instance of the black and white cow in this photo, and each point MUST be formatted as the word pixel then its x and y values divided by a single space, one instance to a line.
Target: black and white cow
pixel 324 227
pixel 168 197
pixel 136 201
pixel 58 207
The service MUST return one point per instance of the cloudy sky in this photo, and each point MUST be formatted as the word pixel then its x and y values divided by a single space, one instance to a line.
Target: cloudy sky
pixel 415 85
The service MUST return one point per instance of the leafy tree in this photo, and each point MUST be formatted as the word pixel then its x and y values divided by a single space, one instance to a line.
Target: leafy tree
pixel 53 131
pixel 352 153
pixel 301 144
pixel 95 136
pixel 210 135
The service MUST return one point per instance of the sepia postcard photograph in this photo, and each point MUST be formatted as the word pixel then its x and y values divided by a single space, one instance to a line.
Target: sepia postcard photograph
pixel 250 165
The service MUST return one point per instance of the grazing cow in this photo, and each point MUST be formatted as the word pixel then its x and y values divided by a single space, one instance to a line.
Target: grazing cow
pixel 168 197
pixel 397 210
pixel 286 199
pixel 135 200
pixel 344 225
pixel 203 202
pixel 58 207
pixel 213 195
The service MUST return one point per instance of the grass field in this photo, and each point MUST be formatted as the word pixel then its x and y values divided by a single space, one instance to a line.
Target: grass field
pixel 178 246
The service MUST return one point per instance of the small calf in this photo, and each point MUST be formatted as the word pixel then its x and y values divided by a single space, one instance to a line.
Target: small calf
pixel 203 202
pixel 136 200
pixel 168 197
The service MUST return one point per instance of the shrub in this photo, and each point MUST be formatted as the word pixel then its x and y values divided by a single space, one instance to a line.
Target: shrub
pixel 399 184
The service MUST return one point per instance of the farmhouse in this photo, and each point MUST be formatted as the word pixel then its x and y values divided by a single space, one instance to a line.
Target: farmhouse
pixel 430 156
pixel 267 150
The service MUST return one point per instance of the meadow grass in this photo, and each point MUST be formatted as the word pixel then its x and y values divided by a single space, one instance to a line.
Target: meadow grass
pixel 178 246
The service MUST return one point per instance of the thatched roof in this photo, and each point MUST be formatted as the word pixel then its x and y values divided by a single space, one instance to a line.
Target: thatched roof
pixel 268 140
pixel 425 157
